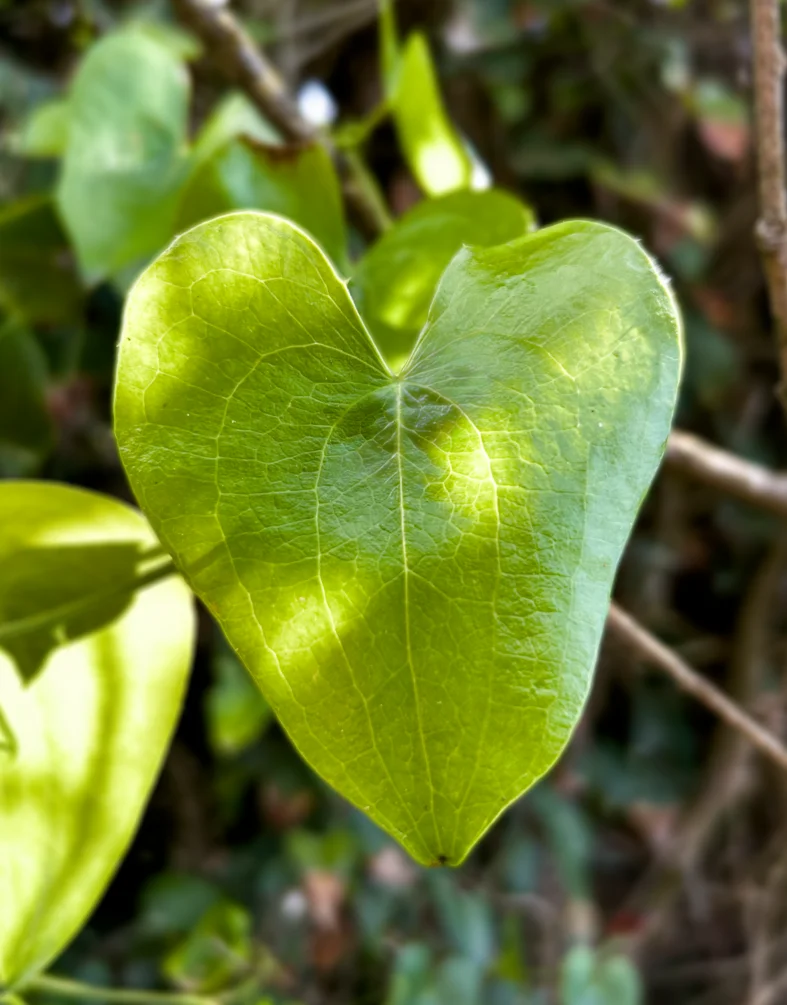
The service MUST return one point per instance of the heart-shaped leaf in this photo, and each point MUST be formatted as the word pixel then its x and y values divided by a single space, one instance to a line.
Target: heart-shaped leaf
pixel 91 679
pixel 416 567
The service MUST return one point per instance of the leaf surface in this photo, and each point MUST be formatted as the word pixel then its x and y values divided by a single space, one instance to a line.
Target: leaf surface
pixel 415 568
pixel 395 281
pixel 91 681
pixel 298 182
pixel 126 156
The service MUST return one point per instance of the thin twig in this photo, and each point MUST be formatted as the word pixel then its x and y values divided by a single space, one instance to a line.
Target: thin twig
pixel 242 61
pixel 726 777
pixel 726 472
pixel 771 231
pixel 229 45
pixel 656 653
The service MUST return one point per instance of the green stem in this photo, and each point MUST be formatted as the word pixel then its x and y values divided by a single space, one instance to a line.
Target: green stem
pixel 367 191
pixel 62 987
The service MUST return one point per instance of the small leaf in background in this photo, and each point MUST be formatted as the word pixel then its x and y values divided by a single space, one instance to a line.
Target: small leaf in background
pixel 237 714
pixel 92 676
pixel 395 281
pixel 232 117
pixel 591 977
pixel 38 280
pixel 126 157
pixel 723 120
pixel 298 182
pixel 45 132
pixel 411 976
pixel 348 527
pixel 26 429
pixel 336 851
pixel 179 43
pixel 576 976
pixel 216 953
pixel 465 917
pixel 459 981
pixel 172 901
pixel 569 836
pixel 433 149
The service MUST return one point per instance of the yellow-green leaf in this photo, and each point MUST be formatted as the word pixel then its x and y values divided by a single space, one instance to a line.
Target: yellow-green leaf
pixel 416 568
pixel 92 674
pixel 432 147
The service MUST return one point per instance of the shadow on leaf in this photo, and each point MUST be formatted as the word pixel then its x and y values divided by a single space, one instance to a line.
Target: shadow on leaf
pixel 53 595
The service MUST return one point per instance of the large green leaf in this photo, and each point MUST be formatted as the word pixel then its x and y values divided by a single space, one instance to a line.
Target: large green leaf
pixel 91 680
pixel 126 156
pixel 432 147
pixel 299 182
pixel 396 279
pixel 415 568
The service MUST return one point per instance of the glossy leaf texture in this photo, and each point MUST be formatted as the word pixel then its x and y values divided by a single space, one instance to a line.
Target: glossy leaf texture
pixel 432 147
pixel 415 568
pixel 395 281
pixel 92 674
pixel 126 154
pixel 298 182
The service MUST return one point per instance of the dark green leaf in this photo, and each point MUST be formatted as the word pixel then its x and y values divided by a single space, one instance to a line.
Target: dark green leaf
pixel 216 953
pixel 38 281
pixel 26 431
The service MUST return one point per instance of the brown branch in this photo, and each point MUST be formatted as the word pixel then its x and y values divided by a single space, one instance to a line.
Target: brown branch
pixel 771 231
pixel 241 61
pixel 728 473
pixel 652 651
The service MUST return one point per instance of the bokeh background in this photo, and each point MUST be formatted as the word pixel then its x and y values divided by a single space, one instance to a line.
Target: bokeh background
pixel 651 865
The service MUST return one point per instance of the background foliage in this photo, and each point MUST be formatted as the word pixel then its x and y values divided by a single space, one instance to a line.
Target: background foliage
pixel 658 836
